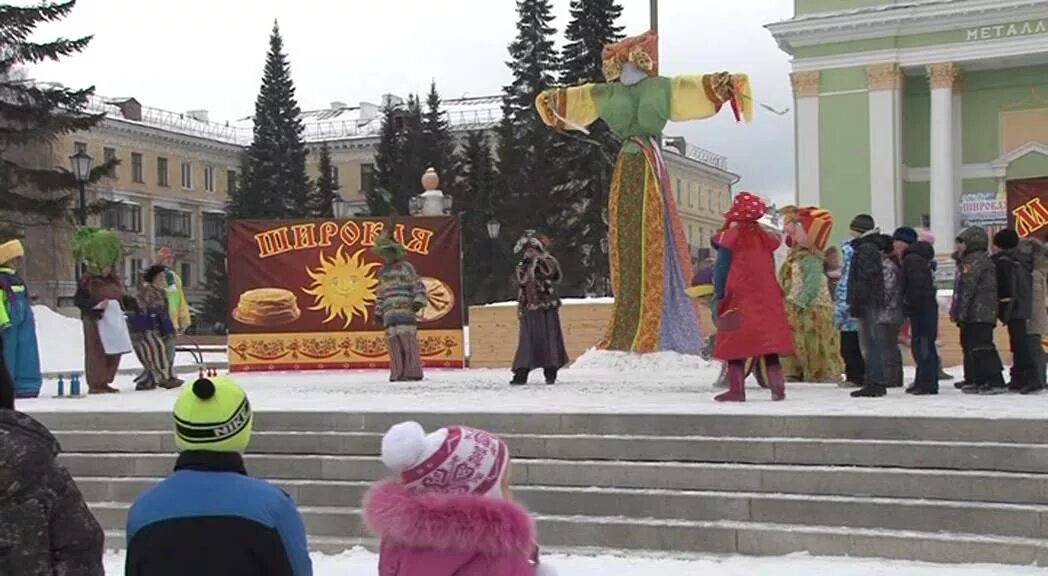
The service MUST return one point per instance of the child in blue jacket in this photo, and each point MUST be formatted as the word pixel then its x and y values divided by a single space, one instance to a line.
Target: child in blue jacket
pixel 21 353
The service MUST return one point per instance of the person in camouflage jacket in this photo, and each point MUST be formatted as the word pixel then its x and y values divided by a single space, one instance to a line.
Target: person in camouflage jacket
pixel 46 528
pixel 975 312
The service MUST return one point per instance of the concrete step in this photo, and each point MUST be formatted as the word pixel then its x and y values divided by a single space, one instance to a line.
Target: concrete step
pixel 1030 521
pixel 719 537
pixel 984 486
pixel 1003 457
pixel 906 428
pixel 116 540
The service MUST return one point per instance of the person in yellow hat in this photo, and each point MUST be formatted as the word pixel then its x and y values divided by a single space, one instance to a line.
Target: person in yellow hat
pixel 21 352
pixel 210 518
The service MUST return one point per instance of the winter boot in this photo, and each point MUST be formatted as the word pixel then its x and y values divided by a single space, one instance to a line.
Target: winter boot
pixel 551 375
pixel 520 377
pixel 736 383
pixel 870 391
pixel 776 381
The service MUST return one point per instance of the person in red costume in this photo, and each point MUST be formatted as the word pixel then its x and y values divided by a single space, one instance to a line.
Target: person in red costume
pixel 752 315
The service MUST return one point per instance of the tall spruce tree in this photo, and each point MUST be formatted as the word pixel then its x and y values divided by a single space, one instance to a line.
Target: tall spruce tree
pixel 322 202
pixel 34 114
pixel 277 184
pixel 412 155
pixel 586 166
pixel 526 164
pixel 387 161
pixel 482 261
pixel 216 281
pixel 439 146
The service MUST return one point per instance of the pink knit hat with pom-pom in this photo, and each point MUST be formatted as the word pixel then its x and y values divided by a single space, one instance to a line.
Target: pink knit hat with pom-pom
pixel 926 236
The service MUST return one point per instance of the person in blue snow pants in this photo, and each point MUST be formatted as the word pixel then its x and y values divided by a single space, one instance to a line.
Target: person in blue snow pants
pixel 21 353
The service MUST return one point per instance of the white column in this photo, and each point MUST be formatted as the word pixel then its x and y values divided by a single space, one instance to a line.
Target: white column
pixel 958 152
pixel 806 94
pixel 885 82
pixel 943 194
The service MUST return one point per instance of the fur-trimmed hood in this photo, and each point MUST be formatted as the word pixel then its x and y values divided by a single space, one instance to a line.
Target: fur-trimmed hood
pixel 469 524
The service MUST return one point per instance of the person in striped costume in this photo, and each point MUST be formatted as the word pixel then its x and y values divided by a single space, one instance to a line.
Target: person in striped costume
pixel 401 295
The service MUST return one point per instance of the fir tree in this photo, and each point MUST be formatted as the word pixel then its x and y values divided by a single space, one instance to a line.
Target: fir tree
pixel 412 157
pixel 483 272
pixel 439 143
pixel 326 191
pixel 216 281
pixel 35 114
pixel 387 162
pixel 525 162
pixel 586 166
pixel 277 184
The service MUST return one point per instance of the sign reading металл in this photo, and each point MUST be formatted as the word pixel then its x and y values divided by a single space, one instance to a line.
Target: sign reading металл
pixel 998 31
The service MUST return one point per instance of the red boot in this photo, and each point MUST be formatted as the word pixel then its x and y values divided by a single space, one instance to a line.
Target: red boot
pixel 736 383
pixel 776 381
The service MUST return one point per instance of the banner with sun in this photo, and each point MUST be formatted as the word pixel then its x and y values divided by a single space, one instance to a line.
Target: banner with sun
pixel 302 293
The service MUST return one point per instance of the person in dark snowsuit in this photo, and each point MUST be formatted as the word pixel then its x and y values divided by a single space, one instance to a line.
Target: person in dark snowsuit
pixel 922 310
pixel 975 312
pixel 1015 307
pixel 210 518
pixel 45 526
pixel 866 301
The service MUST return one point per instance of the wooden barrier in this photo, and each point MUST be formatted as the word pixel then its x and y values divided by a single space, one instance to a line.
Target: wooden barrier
pixel 493 333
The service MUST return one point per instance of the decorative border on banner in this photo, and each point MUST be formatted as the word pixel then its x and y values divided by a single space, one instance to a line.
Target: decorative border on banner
pixel 338 350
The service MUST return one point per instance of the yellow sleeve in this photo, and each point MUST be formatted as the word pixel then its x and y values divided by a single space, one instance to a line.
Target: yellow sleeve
pixel 568 108
pixel 184 316
pixel 701 96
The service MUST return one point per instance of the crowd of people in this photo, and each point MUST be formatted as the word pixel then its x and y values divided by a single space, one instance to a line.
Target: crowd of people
pixel 840 315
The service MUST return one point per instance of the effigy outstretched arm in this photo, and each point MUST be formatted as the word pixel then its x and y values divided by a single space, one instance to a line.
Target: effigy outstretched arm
pixel 570 108
pixel 695 97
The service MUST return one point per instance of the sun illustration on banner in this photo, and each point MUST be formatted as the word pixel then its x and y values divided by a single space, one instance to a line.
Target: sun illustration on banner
pixel 343 286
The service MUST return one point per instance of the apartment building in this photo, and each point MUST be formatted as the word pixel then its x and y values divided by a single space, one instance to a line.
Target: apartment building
pixel 176 170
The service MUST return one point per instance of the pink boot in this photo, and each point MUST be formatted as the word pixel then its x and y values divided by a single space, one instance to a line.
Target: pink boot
pixel 776 381
pixel 736 383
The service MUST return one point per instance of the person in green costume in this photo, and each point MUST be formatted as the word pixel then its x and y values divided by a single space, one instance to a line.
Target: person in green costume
pixel 650 264
pixel 101 250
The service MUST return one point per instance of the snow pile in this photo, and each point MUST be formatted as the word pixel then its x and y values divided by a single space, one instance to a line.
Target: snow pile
pixel 564 302
pixel 61 343
pixel 359 562
pixel 655 363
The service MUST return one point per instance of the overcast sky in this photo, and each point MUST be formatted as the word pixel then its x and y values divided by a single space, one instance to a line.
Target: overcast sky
pixel 209 54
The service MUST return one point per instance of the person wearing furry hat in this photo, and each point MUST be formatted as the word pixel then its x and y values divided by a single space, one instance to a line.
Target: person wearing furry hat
pixel 210 518
pixel 450 511
pixel 809 306
pixel 101 251
pixel 975 311
pixel 1037 329
pixel 21 352
pixel 401 295
pixel 540 341
pixel 1014 267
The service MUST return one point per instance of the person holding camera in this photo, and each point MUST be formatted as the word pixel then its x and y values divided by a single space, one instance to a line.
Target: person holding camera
pixel 540 342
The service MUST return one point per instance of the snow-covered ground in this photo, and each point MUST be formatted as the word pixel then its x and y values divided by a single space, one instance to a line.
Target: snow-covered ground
pixel 598 382
pixel 61 342
pixel 362 563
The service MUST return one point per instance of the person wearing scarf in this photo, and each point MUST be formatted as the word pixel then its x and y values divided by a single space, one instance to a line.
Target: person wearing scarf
pixel 540 341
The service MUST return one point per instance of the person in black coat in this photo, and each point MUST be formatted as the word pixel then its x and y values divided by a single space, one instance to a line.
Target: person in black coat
pixel 922 309
pixel 975 312
pixel 1015 303
pixel 866 301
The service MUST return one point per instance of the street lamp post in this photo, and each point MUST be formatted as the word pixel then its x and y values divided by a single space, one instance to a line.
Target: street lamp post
pixel 81 163
pixel 494 227
pixel 654 15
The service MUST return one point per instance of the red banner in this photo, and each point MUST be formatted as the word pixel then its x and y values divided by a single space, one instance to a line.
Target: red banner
pixel 303 292
pixel 1028 207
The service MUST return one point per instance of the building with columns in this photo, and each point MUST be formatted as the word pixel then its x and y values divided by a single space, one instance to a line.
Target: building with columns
pixel 928 113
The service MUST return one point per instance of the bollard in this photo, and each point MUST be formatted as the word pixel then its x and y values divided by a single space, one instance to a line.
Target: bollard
pixel 61 387
pixel 74 385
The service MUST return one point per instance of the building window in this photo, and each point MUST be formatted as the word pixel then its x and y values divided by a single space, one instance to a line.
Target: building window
pixel 214 227
pixel 187 278
pixel 231 181
pixel 209 179
pixel 161 172
pixel 173 223
pixel 109 155
pixel 134 271
pixel 79 147
pixel 123 217
pixel 367 178
pixel 136 168
pixel 187 175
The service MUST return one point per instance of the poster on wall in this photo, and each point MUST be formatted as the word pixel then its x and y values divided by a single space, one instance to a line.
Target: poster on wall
pixel 302 293
pixel 1028 207
pixel 984 209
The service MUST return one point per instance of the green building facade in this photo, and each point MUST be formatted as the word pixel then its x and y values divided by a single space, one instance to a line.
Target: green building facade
pixel 928 113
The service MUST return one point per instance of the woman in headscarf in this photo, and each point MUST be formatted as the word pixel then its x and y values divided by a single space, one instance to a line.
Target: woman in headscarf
pixel 101 251
pixel 751 319
pixel 540 342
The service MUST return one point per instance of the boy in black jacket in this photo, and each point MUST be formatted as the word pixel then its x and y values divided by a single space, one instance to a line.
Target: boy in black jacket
pixel 866 300
pixel 1015 303
pixel 922 309
pixel 976 313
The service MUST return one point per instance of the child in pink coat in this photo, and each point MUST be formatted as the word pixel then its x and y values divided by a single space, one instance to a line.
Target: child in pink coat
pixel 450 512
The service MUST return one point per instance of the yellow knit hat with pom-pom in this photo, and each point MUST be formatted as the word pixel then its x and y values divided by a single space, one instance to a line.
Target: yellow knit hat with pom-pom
pixel 213 415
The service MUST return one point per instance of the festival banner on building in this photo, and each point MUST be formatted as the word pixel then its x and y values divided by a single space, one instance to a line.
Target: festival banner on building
pixel 1028 207
pixel 987 210
pixel 302 293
